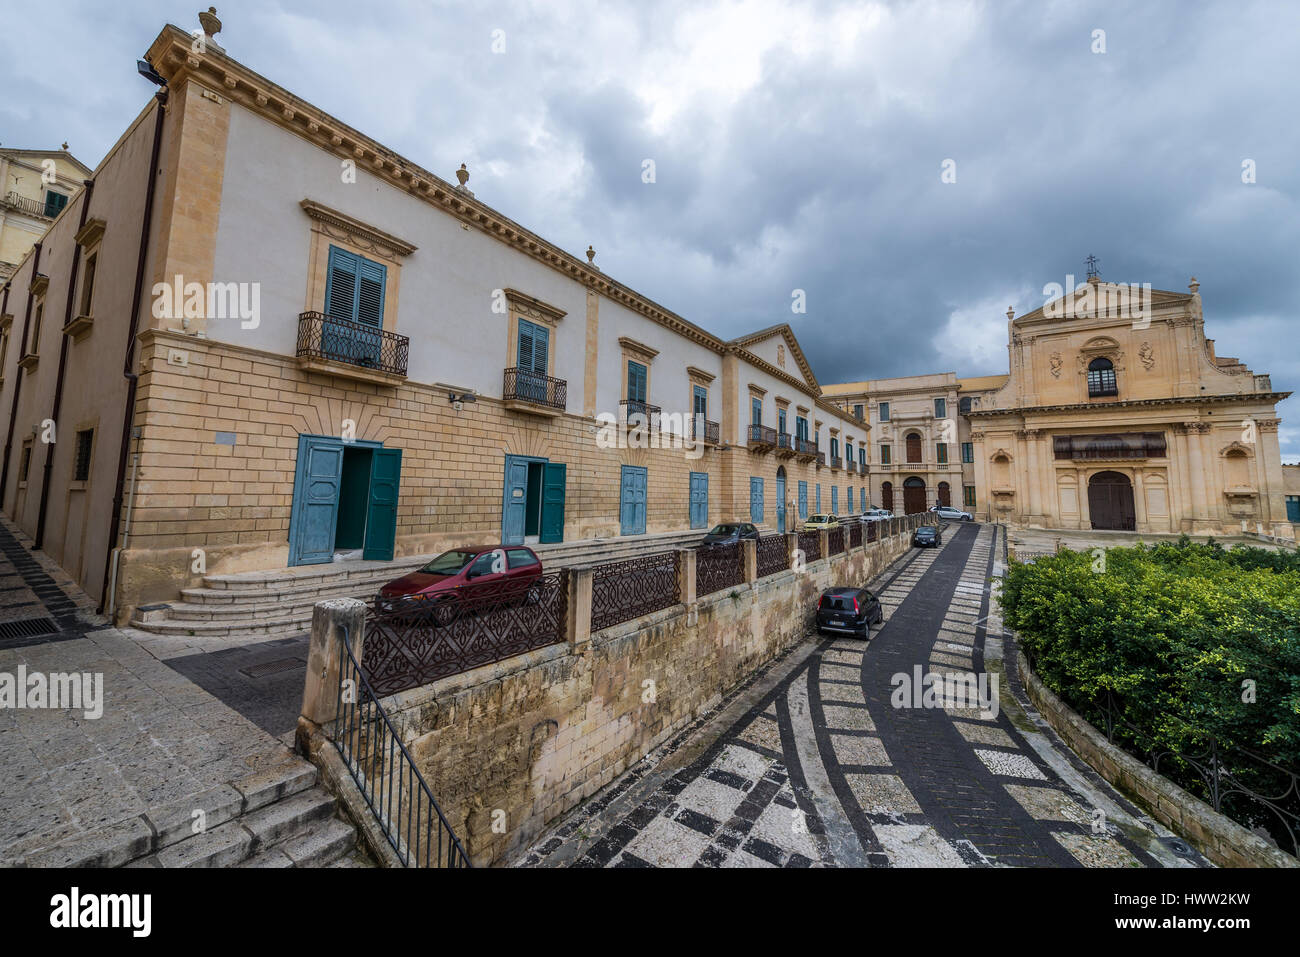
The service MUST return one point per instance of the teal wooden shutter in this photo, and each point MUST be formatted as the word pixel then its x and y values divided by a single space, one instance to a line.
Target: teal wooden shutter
pixel 381 510
pixel 636 382
pixel 552 524
pixel 370 292
pixel 341 285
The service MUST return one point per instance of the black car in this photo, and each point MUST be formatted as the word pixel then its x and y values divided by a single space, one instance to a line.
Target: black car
pixel 730 533
pixel 848 610
pixel 927 536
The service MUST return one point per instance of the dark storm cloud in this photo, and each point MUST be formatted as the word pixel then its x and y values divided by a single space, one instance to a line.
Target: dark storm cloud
pixel 801 148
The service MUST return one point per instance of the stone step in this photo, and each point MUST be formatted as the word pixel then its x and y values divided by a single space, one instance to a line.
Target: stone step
pixel 321 845
pixel 287 818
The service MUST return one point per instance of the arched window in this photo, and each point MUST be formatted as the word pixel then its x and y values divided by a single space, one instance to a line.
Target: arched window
pixel 1101 377
pixel 914 446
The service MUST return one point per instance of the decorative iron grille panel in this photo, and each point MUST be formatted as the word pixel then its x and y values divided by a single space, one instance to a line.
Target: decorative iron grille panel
pixel 621 591
pixel 414 641
pixel 873 531
pixel 773 555
pixel 810 543
pixel 835 541
pixel 717 567
pixel 855 535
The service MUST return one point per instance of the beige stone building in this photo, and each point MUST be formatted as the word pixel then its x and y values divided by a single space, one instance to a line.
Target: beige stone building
pixel 1118 414
pixel 35 186
pixel 261 339
pixel 1291 488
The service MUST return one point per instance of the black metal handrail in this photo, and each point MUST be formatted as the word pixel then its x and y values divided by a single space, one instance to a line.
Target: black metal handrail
pixel 419 834
pixel 354 343
pixel 525 385
pixel 762 435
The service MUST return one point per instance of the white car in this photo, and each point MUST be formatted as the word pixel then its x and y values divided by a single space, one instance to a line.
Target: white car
pixel 952 514
pixel 877 515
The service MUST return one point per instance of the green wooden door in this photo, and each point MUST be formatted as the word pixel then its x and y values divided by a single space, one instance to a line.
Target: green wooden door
pixel 552 527
pixel 381 511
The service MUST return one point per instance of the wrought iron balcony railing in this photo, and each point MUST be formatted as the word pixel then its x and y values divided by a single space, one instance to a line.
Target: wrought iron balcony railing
pixel 805 447
pixel 640 414
pixel 353 343
pixel 1123 445
pixel 836 462
pixel 821 459
pixel 784 443
pixel 710 430
pixel 762 436
pixel 34 207
pixel 524 385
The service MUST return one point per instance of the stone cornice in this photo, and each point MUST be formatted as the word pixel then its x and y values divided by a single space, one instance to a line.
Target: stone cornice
pixel 697 374
pixel 640 349
pixel 1273 397
pixel 532 307
pixel 355 227
pixel 172 56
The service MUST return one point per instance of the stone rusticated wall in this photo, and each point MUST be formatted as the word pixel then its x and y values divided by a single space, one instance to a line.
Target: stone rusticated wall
pixel 535 735
pixel 1222 840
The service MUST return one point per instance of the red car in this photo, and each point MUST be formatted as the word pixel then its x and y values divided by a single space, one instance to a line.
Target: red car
pixel 465 577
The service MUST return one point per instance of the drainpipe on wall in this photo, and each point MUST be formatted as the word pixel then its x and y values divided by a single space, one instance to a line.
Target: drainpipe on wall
pixel 111 608
pixel 18 381
pixel 39 539
pixel 113 554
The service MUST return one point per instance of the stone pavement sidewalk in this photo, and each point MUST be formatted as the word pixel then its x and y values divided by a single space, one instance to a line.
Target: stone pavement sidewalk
pixel 80 789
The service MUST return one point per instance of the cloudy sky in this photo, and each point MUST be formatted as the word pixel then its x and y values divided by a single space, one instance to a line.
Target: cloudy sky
pixel 800 146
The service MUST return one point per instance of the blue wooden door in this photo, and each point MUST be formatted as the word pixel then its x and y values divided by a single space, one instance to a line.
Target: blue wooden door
pixel 835 500
pixel 850 502
pixel 515 506
pixel 755 500
pixel 819 498
pixel 780 500
pixel 313 517
pixel 699 499
pixel 631 510
pixel 803 499
pixel 381 512
pixel 552 523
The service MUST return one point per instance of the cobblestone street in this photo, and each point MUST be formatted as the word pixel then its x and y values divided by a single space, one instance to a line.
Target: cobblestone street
pixel 813 765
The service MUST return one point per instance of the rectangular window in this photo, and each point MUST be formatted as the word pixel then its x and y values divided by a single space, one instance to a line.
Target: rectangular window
pixel 780 421
pixel 968 452
pixel 81 463
pixel 26 463
pixel 354 289
pixel 54 202
pixel 941 408
pixel 884 412
pixel 884 454
pixel 35 343
pixel 968 496
pixel 755 410
pixel 862 456
pixel 4 351
pixel 835 447
pixel 942 449
pixel 801 427
pixel 636 381
pixel 700 398
pixel 88 284
pixel 1293 508
pixel 857 412
pixel 818 509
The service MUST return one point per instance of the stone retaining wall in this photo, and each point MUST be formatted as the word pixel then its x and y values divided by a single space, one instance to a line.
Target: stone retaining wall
pixel 1222 840
pixel 509 747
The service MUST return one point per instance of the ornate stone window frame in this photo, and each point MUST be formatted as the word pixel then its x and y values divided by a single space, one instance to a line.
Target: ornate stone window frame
pixel 520 305
pixel 329 227
pixel 633 351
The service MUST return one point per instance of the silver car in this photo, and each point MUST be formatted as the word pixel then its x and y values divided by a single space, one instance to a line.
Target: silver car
pixel 877 515
pixel 952 514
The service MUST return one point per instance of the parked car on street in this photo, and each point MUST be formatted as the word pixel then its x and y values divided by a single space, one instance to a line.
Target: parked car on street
pixel 927 536
pixel 729 533
pixel 877 515
pixel 952 514
pixel 464 577
pixel 817 522
pixel 850 610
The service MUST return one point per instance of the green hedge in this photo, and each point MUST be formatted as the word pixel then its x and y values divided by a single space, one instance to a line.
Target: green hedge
pixel 1173 631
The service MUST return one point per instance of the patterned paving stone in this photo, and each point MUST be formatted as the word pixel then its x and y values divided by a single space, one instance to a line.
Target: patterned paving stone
pixel 983 734
pixel 1097 851
pixel 1009 764
pixel 882 794
pixel 1049 804
pixel 841 718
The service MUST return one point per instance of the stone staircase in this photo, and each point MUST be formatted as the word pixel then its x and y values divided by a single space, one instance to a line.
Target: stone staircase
pixel 302 827
pixel 279 603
